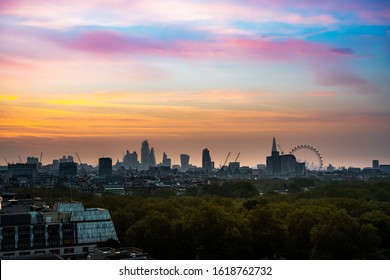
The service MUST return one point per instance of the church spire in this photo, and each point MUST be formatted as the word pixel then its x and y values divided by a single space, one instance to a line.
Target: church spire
pixel 274 145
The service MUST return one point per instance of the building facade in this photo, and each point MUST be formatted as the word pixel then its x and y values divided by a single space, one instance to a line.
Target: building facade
pixel 28 229
pixel 148 158
pixel 206 161
pixel 67 169
pixel 105 167
pixel 184 162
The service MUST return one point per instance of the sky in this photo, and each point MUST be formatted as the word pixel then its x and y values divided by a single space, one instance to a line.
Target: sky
pixel 98 77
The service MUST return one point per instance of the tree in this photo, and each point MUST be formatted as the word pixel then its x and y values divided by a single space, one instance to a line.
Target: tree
pixel 153 234
pixel 268 234
pixel 335 236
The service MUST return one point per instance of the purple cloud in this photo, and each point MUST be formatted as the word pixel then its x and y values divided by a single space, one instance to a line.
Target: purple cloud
pixel 346 51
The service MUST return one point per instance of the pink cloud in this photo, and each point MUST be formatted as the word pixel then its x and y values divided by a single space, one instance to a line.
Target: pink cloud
pixel 71 13
pixel 7 4
pixel 328 75
pixel 107 42
pixel 321 94
pixel 287 50
pixel 112 42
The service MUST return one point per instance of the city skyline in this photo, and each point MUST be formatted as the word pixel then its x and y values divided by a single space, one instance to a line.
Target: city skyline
pixel 97 77
pixel 310 156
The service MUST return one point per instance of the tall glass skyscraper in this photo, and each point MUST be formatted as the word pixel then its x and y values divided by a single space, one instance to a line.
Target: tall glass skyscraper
pixel 148 157
pixel 206 161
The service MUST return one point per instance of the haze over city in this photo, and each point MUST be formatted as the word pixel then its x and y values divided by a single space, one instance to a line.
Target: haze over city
pixel 98 77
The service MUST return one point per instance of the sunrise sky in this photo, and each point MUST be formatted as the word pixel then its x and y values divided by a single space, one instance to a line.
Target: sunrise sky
pixel 99 76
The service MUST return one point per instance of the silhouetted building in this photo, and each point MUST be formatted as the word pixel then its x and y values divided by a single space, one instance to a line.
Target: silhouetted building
pixel 273 161
pixel 288 165
pixel 145 155
pixel 148 157
pixel 375 163
pixel 234 166
pixel 165 160
pixel 283 165
pixel 32 160
pixel 152 158
pixel 184 162
pixel 385 168
pixel 330 168
pixel 67 169
pixel 130 160
pixel 22 170
pixel 105 167
pixel 207 165
pixel 66 159
pixel 301 169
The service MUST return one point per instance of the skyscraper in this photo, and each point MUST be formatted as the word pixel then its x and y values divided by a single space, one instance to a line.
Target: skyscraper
pixel 145 155
pixel 148 157
pixel 206 161
pixel 273 161
pixel 184 162
pixel 152 157
pixel 165 160
pixel 105 167
pixel 130 160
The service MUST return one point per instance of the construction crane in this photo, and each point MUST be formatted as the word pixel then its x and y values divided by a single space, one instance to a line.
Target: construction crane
pixel 226 160
pixel 81 165
pixel 20 160
pixel 6 161
pixel 237 157
pixel 281 151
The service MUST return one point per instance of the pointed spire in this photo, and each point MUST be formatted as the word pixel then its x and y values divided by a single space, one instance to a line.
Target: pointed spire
pixel 274 145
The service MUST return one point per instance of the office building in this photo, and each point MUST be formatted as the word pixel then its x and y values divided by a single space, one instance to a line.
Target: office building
pixel 29 229
pixel 148 158
pixel 105 167
pixel 33 160
pixel 166 161
pixel 184 162
pixel 22 170
pixel 152 158
pixel 273 161
pixel 207 165
pixel 130 160
pixel 66 159
pixel 67 169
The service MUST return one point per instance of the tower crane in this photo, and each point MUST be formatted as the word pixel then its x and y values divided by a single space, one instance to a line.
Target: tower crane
pixel 20 159
pixel 226 160
pixel 6 161
pixel 281 151
pixel 81 165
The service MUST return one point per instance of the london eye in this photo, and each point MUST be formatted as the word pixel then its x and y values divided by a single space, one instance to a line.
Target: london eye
pixel 309 155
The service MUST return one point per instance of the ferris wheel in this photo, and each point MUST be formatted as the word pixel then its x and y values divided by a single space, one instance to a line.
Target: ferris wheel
pixel 309 155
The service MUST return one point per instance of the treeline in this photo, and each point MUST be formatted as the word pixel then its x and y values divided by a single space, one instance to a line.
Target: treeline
pixel 335 220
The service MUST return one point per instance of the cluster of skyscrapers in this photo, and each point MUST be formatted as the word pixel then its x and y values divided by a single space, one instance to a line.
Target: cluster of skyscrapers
pixel 148 159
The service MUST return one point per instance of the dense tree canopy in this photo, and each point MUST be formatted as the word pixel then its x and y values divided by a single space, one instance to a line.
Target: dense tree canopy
pixel 248 220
